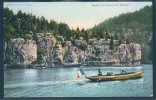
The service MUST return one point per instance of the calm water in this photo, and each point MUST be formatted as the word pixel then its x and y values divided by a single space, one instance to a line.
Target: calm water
pixel 63 82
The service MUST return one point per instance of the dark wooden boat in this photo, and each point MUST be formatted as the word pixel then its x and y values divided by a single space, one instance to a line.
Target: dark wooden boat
pixel 132 75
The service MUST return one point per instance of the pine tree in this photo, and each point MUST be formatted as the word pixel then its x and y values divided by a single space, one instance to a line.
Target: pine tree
pixel 127 41
pixel 116 37
pixel 86 36
pixel 111 43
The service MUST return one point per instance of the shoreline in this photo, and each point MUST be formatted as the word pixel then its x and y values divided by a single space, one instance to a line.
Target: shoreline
pixel 80 66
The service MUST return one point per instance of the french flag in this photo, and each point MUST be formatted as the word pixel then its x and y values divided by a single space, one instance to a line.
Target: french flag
pixel 81 72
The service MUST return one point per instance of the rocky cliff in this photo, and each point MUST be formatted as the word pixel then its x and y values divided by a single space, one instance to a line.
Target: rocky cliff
pixel 24 52
pixel 20 53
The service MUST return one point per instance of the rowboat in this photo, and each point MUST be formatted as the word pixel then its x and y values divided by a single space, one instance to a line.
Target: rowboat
pixel 132 75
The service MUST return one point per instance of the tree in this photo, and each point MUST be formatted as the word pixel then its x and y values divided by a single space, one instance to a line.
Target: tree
pixel 83 46
pixel 35 37
pixel 73 42
pixel 86 36
pixel 77 35
pixel 8 14
pixel 78 30
pixel 53 25
pixel 8 32
pixel 116 37
pixel 100 33
pixel 63 29
pixel 111 44
pixel 82 31
pixel 68 35
pixel 40 52
pixel 121 41
pixel 97 51
pixel 56 45
pixel 127 41
pixel 25 27
pixel 44 24
pixel 107 36
pixel 150 55
pixel 38 27
pixel 63 44
pixel 19 14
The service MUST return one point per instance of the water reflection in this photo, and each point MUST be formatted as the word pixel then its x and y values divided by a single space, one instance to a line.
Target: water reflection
pixel 30 75
pixel 30 72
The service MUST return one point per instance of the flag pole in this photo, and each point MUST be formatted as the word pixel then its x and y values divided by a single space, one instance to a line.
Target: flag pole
pixel 83 72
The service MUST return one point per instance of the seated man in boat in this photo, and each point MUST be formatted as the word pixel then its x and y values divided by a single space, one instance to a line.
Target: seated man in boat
pixel 109 73
pixel 100 74
pixel 123 72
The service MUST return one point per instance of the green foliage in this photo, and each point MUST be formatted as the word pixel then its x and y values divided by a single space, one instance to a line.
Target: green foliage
pixel 7 60
pixel 63 29
pixel 107 36
pixel 111 45
pixel 26 37
pixel 150 57
pixel 63 44
pixel 56 45
pixel 82 31
pixel 77 35
pixel 97 51
pixel 44 24
pixel 35 37
pixel 53 25
pixel 59 38
pixel 127 41
pixel 144 58
pixel 98 37
pixel 73 42
pixel 83 46
pixel 121 41
pixel 78 30
pixel 91 43
pixel 21 24
pixel 137 26
pixel 116 37
pixel 40 52
pixel 65 54
pixel 87 36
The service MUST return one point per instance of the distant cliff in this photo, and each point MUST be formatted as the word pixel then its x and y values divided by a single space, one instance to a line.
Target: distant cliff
pixel 21 53
pixel 136 26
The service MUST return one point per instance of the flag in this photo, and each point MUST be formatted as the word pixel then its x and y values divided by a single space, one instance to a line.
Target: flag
pixel 78 74
pixel 82 72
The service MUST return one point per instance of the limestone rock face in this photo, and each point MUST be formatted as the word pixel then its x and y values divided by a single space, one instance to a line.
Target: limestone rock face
pixel 48 43
pixel 19 51
pixel 129 53
pixel 97 53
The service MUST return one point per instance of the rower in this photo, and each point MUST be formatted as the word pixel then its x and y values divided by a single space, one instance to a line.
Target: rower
pixel 100 73
pixel 123 72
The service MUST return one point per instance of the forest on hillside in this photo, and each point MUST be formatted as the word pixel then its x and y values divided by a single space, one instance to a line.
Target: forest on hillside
pixel 136 26
pixel 28 25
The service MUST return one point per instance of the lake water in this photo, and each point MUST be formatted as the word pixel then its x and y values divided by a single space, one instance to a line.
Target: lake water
pixel 63 82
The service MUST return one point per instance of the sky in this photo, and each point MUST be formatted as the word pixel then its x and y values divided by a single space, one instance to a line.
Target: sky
pixel 76 14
